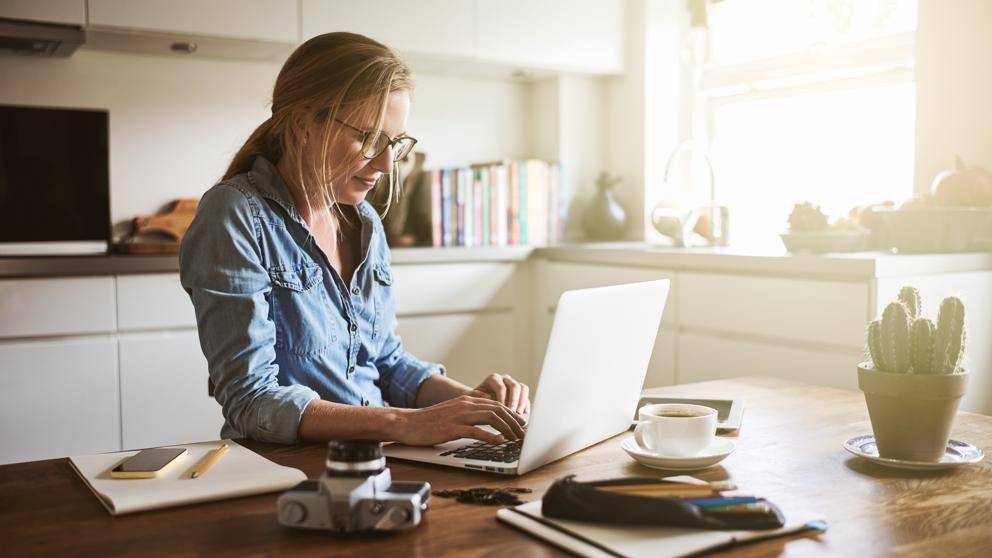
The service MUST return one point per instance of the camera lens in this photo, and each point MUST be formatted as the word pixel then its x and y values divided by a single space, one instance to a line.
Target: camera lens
pixel 354 458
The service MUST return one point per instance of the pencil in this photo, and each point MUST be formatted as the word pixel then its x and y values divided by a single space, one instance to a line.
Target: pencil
pixel 210 461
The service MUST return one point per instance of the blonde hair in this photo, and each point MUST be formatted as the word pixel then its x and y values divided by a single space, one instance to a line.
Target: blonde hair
pixel 324 75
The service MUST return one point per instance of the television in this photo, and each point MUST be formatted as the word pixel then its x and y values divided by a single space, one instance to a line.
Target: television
pixel 54 181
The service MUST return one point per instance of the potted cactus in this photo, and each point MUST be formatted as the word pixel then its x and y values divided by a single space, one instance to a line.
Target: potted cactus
pixel 914 380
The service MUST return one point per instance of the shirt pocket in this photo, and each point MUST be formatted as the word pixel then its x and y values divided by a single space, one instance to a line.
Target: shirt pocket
pixel 300 309
pixel 382 298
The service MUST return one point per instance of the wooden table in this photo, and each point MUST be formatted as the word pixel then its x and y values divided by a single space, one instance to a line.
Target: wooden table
pixel 789 450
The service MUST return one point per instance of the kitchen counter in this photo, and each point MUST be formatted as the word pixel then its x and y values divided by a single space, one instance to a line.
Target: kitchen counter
pixel 771 261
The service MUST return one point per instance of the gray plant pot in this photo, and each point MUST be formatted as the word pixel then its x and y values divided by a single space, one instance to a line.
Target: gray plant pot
pixel 911 414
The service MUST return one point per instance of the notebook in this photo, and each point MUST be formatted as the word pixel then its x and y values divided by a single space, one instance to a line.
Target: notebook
pixel 594 540
pixel 239 472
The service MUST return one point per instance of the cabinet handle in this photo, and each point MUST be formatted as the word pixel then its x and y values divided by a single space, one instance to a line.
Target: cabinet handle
pixel 188 48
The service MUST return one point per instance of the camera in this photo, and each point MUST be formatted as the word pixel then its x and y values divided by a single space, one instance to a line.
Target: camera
pixel 355 493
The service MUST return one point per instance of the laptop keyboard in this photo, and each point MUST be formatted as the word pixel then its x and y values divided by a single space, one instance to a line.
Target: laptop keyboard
pixel 507 452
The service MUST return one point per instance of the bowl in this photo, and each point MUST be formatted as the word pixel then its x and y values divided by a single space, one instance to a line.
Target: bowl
pixel 935 229
pixel 820 242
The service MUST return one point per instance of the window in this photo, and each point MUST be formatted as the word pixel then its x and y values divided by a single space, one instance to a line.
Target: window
pixel 806 100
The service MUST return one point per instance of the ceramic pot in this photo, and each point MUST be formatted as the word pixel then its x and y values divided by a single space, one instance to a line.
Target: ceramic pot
pixel 911 414
pixel 605 218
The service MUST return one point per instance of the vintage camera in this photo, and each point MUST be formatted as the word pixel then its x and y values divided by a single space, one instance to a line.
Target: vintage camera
pixel 356 493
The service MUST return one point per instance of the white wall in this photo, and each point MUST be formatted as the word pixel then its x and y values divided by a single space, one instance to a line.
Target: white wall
pixel 953 86
pixel 175 123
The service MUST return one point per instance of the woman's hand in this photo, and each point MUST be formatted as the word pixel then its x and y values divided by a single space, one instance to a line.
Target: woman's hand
pixel 458 418
pixel 504 389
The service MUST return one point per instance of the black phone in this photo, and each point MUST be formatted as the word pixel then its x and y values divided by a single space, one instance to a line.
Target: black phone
pixel 147 463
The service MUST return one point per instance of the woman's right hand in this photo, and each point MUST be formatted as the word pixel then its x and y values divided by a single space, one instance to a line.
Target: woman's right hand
pixel 456 418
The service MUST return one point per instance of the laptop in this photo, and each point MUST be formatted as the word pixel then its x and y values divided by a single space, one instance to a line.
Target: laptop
pixel 593 371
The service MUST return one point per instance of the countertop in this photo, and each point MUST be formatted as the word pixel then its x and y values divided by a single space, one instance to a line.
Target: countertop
pixel 736 260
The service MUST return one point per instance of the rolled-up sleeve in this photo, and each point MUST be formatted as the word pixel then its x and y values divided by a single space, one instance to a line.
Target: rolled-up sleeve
pixel 221 270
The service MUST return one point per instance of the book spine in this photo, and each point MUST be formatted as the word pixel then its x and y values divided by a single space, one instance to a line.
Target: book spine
pixel 436 239
pixel 446 202
pixel 477 199
pixel 514 203
pixel 459 208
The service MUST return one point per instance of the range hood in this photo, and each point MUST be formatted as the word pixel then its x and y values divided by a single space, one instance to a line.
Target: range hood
pixel 39 39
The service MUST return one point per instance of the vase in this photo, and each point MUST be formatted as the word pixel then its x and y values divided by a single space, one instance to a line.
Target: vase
pixel 605 218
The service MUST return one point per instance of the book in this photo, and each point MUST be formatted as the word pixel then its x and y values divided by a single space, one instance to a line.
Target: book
pixel 240 472
pixel 602 540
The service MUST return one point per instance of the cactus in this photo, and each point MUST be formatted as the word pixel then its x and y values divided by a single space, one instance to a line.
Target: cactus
pixel 903 341
pixel 895 338
pixel 875 345
pixel 921 342
pixel 948 342
pixel 910 297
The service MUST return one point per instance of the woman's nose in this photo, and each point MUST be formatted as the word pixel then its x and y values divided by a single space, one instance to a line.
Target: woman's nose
pixel 384 161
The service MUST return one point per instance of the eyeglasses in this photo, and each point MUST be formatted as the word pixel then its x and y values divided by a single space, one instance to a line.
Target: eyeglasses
pixel 372 147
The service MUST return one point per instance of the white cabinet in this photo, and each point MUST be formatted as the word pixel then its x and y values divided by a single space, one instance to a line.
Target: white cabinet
pixel 164 391
pixel 710 357
pixel 153 301
pixel 830 313
pixel 583 35
pixel 471 346
pixel 442 27
pixel 37 307
pixel 260 20
pixel 71 12
pixel 59 398
pixel 458 287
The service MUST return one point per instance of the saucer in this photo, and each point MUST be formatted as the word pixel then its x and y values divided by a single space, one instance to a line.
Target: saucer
pixel 714 453
pixel 956 454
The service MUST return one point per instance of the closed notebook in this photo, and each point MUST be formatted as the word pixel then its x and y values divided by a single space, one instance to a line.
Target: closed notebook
pixel 239 472
pixel 599 540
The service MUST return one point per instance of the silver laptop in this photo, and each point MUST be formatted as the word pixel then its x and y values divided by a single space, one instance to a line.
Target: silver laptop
pixel 594 368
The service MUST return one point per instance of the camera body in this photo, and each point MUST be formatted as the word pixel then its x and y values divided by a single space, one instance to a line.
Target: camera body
pixel 356 493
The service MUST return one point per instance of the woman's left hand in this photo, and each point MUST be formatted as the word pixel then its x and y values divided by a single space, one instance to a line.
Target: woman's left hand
pixel 505 390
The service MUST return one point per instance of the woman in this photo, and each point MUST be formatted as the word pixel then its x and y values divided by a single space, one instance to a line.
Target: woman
pixel 288 270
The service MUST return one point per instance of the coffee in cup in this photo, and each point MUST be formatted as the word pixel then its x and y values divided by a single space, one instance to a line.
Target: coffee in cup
pixel 675 429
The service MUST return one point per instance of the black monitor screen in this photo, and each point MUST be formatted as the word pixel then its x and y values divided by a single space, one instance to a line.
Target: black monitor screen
pixel 54 175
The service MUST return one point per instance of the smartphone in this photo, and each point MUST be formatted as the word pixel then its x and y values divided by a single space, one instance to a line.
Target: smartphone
pixel 147 463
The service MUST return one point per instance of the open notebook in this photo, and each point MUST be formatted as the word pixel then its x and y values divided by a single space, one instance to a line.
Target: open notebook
pixel 596 540
pixel 239 472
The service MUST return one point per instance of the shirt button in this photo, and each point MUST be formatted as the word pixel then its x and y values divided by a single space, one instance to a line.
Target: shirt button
pixel 365 402
pixel 351 369
pixel 355 291
pixel 354 327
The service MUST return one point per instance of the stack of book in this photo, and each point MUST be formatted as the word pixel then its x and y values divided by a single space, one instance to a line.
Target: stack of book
pixel 498 204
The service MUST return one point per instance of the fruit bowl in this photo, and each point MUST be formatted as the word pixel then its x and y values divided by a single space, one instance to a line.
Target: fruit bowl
pixel 934 229
pixel 827 240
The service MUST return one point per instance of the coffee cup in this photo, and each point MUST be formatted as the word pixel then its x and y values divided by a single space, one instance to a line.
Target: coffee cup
pixel 675 429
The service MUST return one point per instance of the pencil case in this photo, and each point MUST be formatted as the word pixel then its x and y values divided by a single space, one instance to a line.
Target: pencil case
pixel 583 501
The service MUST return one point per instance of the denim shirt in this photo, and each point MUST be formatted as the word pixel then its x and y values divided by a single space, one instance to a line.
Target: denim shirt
pixel 277 324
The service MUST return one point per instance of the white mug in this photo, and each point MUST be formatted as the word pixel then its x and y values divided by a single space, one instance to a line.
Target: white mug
pixel 675 436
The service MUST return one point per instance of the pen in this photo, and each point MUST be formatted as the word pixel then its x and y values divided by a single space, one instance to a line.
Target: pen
pixel 210 461
pixel 722 502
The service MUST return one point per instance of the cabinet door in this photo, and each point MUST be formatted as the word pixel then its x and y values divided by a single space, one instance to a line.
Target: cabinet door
pixel 153 301
pixel 705 357
pixel 36 307
pixel 263 20
pixel 454 287
pixel 582 35
pixel 59 398
pixel 164 391
pixel 444 27
pixel 471 346
pixel 72 12
pixel 828 313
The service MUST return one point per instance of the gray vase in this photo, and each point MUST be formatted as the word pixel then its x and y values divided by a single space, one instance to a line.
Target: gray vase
pixel 605 218
pixel 911 414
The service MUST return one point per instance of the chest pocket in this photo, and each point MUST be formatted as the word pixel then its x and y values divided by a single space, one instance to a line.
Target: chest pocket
pixel 383 298
pixel 300 309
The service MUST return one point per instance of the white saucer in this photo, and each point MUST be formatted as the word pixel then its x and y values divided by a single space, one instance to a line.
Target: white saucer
pixel 718 449
pixel 956 454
